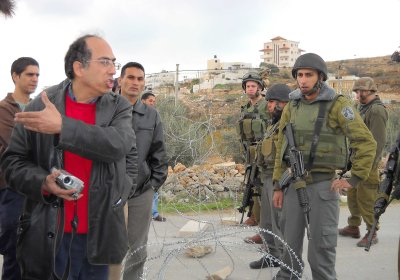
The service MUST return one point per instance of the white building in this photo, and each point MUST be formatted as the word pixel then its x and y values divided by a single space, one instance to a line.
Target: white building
pixel 281 52
pixel 160 79
pixel 216 64
pixel 222 73
pixel 342 85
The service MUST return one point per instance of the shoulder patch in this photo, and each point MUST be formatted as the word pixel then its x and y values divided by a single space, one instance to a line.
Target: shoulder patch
pixel 348 113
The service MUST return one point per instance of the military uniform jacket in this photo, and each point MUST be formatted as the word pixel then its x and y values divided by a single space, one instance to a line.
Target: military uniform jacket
pixel 375 117
pixel 341 120
pixel 252 126
pixel 266 148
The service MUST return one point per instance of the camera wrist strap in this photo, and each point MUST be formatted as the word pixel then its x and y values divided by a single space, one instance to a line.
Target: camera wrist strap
pixel 74 225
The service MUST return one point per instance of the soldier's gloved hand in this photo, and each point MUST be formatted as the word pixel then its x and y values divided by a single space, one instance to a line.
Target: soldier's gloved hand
pixel 380 206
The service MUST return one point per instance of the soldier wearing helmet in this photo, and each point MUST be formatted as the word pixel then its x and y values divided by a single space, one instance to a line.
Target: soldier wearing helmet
pixel 251 127
pixel 313 62
pixel 361 200
pixel 277 97
pixel 365 89
pixel 256 85
pixel 324 124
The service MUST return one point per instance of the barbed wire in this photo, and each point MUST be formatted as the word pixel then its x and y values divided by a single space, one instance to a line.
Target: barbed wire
pixel 166 253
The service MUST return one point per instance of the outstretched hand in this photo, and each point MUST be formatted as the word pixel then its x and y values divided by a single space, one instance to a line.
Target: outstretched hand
pixel 47 121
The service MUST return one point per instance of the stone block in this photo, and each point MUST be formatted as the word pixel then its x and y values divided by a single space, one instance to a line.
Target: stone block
pixel 191 228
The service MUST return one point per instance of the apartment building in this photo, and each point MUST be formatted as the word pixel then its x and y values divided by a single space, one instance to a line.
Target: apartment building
pixel 281 52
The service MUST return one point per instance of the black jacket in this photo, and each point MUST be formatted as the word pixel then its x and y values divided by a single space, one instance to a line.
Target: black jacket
pixel 28 160
pixel 152 158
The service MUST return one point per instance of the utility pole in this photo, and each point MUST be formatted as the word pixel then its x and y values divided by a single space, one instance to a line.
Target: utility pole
pixel 339 76
pixel 176 84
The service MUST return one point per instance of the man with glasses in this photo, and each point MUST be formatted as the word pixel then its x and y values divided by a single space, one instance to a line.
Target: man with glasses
pixel 361 200
pixel 25 75
pixel 80 127
pixel 152 167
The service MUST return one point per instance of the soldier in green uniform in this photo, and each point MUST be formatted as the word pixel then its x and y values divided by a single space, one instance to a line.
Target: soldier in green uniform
pixel 318 116
pixel 361 200
pixel 251 128
pixel 277 97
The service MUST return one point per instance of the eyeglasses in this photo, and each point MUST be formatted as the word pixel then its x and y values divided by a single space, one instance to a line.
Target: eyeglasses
pixel 107 63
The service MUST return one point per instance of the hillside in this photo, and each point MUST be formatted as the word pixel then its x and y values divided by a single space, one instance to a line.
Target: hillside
pixel 223 104
pixel 381 69
pixel 206 123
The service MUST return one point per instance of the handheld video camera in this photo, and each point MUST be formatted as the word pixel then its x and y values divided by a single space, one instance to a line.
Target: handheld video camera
pixel 68 181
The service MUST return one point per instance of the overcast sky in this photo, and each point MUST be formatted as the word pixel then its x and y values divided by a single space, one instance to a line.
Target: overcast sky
pixel 161 33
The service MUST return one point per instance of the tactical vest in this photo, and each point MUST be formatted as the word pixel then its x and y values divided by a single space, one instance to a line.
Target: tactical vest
pixel 332 149
pixel 253 122
pixel 252 125
pixel 266 150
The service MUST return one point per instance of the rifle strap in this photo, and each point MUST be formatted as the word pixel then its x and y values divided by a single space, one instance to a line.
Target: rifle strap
pixel 317 130
pixel 271 130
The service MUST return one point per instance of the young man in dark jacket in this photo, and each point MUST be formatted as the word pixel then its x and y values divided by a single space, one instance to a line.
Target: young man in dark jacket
pixel 81 127
pixel 152 167
pixel 149 99
pixel 25 75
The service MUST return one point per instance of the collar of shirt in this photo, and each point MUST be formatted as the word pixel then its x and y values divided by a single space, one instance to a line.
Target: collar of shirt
pixel 72 95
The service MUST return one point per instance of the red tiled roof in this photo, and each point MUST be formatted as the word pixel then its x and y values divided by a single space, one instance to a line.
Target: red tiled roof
pixel 278 38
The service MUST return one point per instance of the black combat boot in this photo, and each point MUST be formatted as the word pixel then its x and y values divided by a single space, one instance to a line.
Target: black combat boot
pixel 263 263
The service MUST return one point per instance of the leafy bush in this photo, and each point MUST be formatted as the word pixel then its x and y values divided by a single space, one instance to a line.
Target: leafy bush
pixel 184 137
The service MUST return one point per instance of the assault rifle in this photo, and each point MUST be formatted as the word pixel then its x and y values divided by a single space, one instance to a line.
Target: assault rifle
pixel 391 177
pixel 296 174
pixel 248 182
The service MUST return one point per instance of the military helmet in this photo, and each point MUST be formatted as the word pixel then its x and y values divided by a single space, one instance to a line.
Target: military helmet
pixel 278 92
pixel 311 61
pixel 365 83
pixel 252 76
